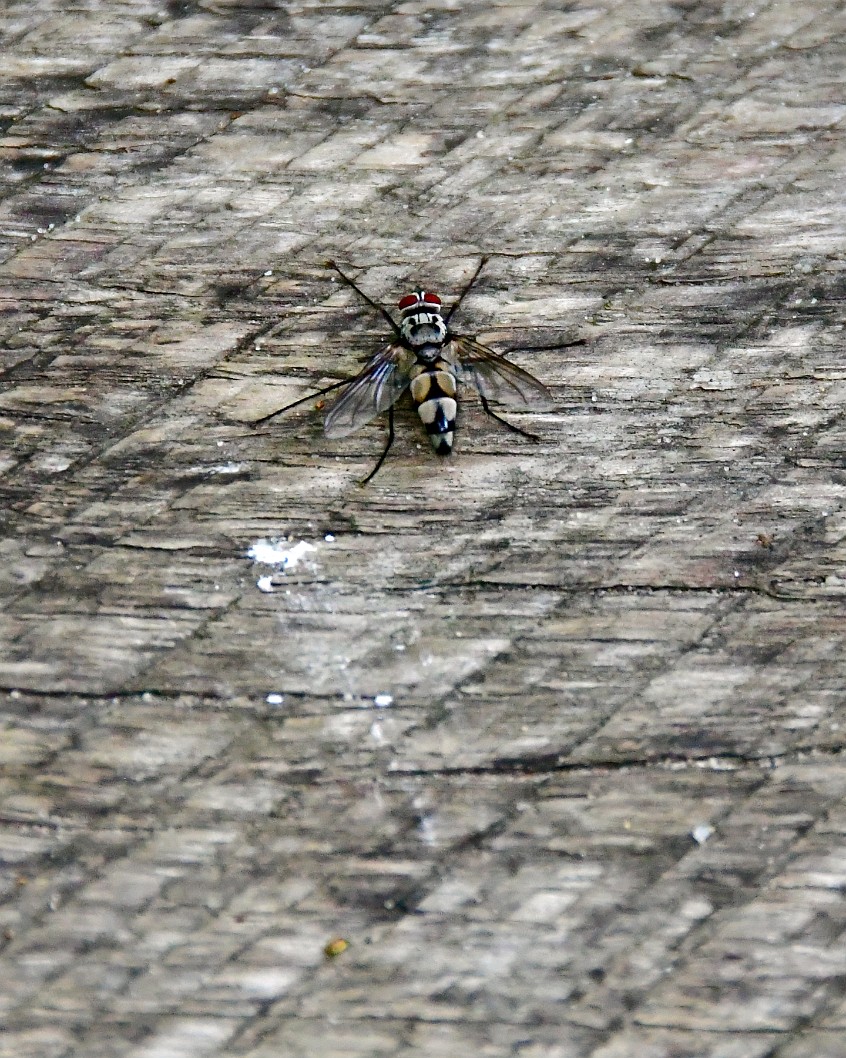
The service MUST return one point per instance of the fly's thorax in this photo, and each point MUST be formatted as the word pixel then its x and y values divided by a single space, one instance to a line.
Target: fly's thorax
pixel 422 322
pixel 423 329
pixel 428 354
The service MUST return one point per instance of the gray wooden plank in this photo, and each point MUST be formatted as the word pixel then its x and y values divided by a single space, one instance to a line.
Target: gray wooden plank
pixel 550 734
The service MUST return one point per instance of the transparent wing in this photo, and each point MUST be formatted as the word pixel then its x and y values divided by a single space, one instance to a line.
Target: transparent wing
pixel 380 384
pixel 497 378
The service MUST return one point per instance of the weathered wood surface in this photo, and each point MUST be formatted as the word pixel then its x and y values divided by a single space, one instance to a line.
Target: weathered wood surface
pixel 603 813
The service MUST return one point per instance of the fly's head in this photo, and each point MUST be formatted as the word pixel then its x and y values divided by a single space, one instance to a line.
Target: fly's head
pixel 422 322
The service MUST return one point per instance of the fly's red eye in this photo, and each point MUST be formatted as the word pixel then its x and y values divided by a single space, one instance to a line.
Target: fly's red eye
pixel 409 301
pixel 431 299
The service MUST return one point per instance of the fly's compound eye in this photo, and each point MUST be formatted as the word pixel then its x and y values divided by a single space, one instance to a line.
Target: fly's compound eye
pixel 420 299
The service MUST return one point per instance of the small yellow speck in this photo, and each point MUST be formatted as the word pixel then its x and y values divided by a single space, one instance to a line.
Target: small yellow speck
pixel 335 948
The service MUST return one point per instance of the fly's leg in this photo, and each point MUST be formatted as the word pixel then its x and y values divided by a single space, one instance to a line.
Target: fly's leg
pixel 302 400
pixel 381 459
pixel 506 423
pixel 373 304
pixel 544 348
pixel 468 288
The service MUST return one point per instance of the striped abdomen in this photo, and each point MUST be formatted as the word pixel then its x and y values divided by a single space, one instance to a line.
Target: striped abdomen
pixel 433 391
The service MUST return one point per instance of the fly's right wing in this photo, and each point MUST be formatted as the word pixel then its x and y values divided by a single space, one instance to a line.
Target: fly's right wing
pixel 497 378
pixel 382 382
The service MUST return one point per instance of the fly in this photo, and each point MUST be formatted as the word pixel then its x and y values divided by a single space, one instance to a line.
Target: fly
pixel 427 358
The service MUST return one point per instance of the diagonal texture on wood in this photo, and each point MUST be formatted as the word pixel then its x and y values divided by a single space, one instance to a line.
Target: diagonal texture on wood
pixel 550 733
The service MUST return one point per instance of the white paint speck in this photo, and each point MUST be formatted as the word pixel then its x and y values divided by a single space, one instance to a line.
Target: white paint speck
pixel 382 701
pixel 265 584
pixel 279 553
pixel 226 468
pixel 426 829
pixel 329 538
pixel 701 833
pixel 274 699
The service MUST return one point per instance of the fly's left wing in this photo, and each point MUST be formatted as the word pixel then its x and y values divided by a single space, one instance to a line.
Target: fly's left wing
pixel 497 378
pixel 380 384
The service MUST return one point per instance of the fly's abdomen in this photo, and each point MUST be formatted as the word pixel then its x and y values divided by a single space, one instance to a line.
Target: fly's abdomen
pixel 433 391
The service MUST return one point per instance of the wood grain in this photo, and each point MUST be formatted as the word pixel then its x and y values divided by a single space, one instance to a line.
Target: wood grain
pixel 549 734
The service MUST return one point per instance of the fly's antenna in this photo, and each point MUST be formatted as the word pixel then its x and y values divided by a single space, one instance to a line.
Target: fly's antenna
pixel 379 308
pixel 468 288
